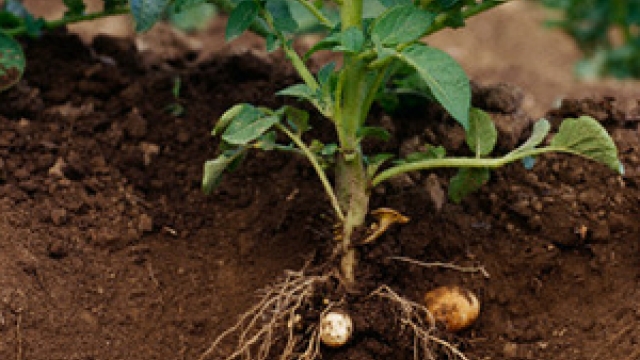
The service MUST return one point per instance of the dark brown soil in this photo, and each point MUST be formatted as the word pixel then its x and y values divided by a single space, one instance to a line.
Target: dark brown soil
pixel 109 250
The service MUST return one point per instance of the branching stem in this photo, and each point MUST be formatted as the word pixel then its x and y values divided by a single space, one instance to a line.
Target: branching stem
pixel 316 166
pixel 292 55
pixel 316 13
pixel 463 162
pixel 471 11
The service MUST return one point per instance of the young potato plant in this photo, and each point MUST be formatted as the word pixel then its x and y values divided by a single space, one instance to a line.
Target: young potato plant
pixel 377 43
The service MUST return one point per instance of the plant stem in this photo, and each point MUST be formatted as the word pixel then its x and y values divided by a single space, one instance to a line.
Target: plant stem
pixel 292 55
pixel 351 14
pixel 316 166
pixel 315 12
pixel 464 162
pixel 351 179
pixel 22 29
pixel 373 89
pixel 353 193
pixel 473 10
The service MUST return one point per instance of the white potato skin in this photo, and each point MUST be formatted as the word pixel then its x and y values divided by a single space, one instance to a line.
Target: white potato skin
pixel 336 328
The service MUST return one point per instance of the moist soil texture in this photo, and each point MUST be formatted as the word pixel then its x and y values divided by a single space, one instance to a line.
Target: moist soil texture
pixel 109 249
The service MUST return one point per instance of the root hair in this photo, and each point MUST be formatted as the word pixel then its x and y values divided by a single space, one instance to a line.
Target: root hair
pixel 275 313
pixel 419 320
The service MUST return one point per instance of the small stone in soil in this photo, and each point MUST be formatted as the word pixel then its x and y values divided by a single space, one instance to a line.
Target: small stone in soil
pixel 57 249
pixel 135 125
pixel 145 223
pixel 58 216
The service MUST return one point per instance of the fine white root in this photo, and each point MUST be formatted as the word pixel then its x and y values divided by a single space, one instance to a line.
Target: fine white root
pixel 465 269
pixel 418 319
pixel 275 313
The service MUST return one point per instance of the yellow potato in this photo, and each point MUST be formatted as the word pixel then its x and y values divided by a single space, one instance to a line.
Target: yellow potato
pixel 457 308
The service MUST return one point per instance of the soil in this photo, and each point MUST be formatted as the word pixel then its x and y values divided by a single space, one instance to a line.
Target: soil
pixel 109 249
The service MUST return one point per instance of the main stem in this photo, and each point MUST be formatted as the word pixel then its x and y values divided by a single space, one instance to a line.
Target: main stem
pixel 351 180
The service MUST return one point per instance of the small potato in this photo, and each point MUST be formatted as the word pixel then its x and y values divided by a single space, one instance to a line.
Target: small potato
pixel 335 328
pixel 454 306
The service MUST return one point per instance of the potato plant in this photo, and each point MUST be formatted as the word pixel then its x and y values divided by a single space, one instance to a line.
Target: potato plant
pixel 380 45
pixel 376 45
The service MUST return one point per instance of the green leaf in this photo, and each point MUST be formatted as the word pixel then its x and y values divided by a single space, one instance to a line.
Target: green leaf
pixel 301 91
pixel 183 5
pixel 444 76
pixel 12 61
pixel 244 130
pixel 329 149
pixel 297 119
pixel 238 110
pixel 273 43
pixel 324 74
pixel 540 131
pixel 482 134
pixel 32 25
pixel 329 42
pixel 305 19
pixel 466 181
pixel 114 4
pixel 191 17
pixel 446 4
pixel 147 12
pixel 401 24
pixel 585 136
pixel 283 20
pixel 371 9
pixel 351 40
pixel 267 141
pixel 241 17
pixel 74 7
pixel 390 3
pixel 9 20
pixel 214 169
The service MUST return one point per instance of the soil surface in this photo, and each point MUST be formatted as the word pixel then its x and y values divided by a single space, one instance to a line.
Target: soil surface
pixel 109 249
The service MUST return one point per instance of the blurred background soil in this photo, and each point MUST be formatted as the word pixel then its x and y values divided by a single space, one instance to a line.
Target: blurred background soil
pixel 508 44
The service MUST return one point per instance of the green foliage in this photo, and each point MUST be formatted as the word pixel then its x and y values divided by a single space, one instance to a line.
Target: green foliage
pixel 401 24
pixel 241 18
pixel 147 12
pixel 190 15
pixel 444 77
pixel 14 15
pixel 482 135
pixel 606 31
pixel 74 7
pixel 12 61
pixel 110 5
pixel 383 57
pixel 584 136
pixel 466 181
